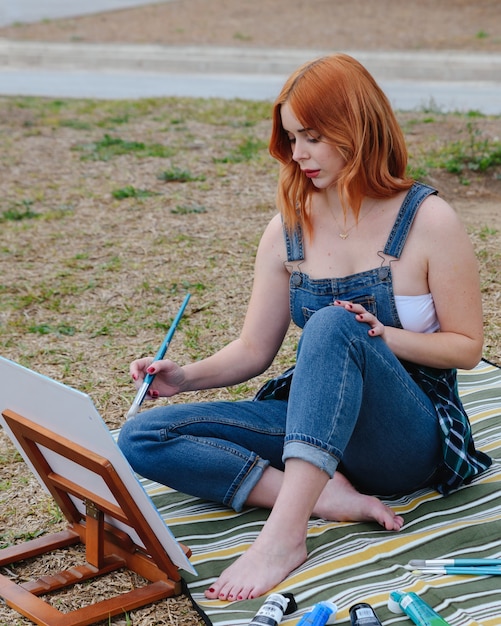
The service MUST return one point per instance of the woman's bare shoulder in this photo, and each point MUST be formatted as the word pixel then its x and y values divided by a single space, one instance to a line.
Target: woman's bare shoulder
pixel 437 209
pixel 272 240
pixel 437 219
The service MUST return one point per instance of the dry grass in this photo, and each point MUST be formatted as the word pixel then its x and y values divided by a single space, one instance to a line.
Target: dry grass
pixel 110 212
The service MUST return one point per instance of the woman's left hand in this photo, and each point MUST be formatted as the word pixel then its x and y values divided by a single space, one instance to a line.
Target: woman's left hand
pixel 376 329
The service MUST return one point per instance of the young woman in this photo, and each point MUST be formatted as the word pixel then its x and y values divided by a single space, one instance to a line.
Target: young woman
pixel 381 276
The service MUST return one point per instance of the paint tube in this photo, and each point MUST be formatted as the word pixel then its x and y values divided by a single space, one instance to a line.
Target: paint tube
pixel 274 608
pixel 320 614
pixel 362 614
pixel 415 608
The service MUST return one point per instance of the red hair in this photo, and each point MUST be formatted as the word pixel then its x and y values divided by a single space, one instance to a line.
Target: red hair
pixel 338 98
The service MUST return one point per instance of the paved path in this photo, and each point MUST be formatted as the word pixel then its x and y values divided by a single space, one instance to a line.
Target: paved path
pixel 13 11
pixel 447 81
pixel 404 95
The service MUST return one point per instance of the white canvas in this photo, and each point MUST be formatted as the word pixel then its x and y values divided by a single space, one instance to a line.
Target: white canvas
pixel 72 414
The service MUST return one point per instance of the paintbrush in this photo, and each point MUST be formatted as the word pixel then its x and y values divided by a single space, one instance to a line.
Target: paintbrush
pixel 483 570
pixel 148 379
pixel 454 563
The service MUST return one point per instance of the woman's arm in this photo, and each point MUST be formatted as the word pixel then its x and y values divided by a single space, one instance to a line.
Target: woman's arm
pixel 265 325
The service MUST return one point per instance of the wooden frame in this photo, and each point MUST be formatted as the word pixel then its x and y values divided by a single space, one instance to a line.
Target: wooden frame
pixel 107 547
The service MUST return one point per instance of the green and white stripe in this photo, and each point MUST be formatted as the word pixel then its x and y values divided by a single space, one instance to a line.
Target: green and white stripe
pixel 357 562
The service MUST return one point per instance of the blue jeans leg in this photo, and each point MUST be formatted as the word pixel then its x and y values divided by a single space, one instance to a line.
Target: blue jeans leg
pixel 214 450
pixel 353 403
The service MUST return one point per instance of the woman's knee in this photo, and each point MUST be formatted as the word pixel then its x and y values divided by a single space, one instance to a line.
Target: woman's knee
pixel 331 317
pixel 331 325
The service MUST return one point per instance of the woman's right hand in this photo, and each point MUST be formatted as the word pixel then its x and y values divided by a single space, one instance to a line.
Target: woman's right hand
pixel 169 376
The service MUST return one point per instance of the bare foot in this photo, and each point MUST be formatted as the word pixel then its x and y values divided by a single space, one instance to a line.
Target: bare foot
pixel 281 546
pixel 341 502
pixel 258 570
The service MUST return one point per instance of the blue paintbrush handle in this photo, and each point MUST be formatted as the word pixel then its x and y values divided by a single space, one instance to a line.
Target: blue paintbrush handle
pixel 483 570
pixel 476 562
pixel 148 379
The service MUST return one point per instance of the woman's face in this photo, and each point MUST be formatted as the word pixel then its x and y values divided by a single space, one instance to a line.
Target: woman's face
pixel 318 160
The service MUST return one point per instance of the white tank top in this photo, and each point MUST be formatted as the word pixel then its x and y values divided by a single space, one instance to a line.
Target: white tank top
pixel 417 313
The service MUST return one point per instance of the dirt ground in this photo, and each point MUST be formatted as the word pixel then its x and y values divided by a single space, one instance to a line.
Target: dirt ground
pixel 212 221
pixel 338 25
pixel 325 24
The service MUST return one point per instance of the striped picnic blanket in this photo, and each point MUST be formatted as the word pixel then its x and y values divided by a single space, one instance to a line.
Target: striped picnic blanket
pixel 358 562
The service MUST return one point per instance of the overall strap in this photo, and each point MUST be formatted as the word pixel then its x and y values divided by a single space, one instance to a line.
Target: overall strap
pixel 396 241
pixel 413 200
pixel 294 244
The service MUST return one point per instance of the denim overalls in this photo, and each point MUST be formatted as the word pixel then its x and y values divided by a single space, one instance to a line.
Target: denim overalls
pixel 373 289
pixel 348 403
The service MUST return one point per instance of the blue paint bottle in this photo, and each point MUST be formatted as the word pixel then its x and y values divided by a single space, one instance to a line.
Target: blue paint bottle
pixel 319 615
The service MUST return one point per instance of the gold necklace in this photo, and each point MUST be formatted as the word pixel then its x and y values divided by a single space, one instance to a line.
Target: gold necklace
pixel 345 234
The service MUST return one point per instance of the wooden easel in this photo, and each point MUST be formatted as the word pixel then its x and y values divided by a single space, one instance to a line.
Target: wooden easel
pixel 107 548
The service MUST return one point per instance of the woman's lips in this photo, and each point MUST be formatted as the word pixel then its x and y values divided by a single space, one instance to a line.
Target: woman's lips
pixel 311 173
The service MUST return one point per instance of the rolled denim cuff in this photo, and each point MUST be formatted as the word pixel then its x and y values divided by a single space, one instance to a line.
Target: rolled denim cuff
pixel 312 454
pixel 245 483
